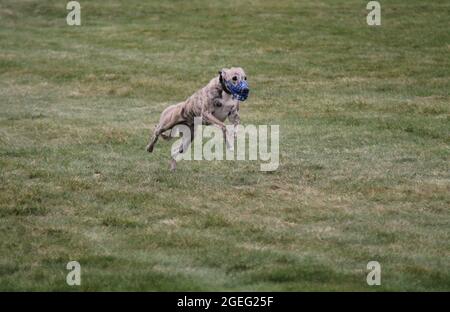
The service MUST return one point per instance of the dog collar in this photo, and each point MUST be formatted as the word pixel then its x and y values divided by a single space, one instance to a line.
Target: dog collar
pixel 224 86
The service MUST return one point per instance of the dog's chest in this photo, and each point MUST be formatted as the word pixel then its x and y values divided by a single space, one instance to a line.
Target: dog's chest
pixel 221 112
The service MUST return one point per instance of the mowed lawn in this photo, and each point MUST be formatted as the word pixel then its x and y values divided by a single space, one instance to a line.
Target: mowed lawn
pixel 364 115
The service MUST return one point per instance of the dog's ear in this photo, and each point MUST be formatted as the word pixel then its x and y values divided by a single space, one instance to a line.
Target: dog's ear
pixel 223 73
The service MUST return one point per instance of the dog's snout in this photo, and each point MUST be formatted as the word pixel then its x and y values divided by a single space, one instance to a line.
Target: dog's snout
pixel 240 89
pixel 244 85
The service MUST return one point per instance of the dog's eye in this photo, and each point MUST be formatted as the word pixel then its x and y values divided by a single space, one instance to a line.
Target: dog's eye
pixel 234 78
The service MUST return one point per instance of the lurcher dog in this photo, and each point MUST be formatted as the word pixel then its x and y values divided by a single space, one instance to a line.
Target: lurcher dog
pixel 215 102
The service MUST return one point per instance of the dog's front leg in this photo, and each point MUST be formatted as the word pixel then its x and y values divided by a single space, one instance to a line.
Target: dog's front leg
pixel 210 118
pixel 235 119
pixel 217 102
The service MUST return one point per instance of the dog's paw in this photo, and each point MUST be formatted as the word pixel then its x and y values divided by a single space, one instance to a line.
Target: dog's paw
pixel 172 165
pixel 229 143
pixel 149 148
pixel 235 132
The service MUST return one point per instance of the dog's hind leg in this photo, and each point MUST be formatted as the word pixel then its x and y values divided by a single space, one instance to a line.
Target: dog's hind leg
pixel 182 148
pixel 156 134
pixel 169 118
pixel 154 138
pixel 165 136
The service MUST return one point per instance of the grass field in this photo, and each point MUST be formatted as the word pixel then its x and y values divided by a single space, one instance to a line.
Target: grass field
pixel 364 115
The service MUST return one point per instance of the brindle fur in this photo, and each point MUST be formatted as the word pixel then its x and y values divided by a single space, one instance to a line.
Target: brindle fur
pixel 211 103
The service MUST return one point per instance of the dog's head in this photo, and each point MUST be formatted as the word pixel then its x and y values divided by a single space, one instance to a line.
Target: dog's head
pixel 234 81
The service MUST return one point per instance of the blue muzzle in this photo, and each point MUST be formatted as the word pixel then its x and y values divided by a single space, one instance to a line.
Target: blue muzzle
pixel 239 91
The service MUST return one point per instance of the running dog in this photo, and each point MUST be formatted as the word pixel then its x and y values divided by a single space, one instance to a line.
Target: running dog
pixel 215 102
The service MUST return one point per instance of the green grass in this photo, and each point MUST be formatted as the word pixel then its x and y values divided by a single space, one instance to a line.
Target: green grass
pixel 364 115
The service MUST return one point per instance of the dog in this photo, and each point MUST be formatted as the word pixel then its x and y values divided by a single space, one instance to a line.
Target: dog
pixel 214 103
